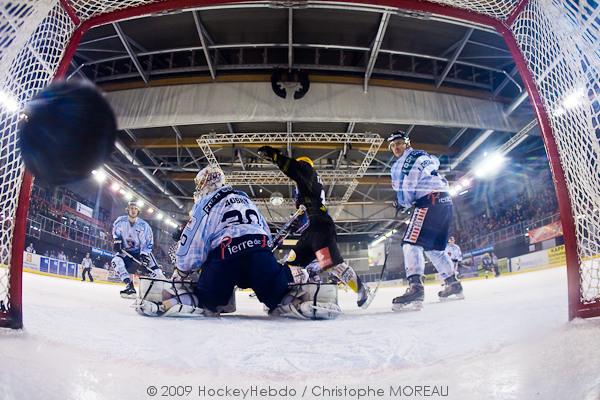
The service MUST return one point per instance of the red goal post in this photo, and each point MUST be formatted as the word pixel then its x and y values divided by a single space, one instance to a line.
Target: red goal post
pixel 554 45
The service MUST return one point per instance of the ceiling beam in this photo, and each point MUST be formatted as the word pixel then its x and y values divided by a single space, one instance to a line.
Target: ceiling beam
pixel 290 38
pixel 130 51
pixel 383 24
pixel 365 180
pixel 170 143
pixel 209 61
pixel 158 184
pixel 450 64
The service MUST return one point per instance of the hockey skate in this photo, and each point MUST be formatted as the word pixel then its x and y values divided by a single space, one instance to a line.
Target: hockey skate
pixel 452 290
pixel 365 295
pixel 129 291
pixel 345 274
pixel 411 300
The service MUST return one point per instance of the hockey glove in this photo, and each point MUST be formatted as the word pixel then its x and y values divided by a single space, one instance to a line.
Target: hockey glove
pixel 145 259
pixel 177 234
pixel 118 246
pixel 269 153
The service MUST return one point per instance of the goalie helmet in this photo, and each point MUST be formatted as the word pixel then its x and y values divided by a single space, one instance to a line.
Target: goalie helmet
pixel 207 181
pixel 399 135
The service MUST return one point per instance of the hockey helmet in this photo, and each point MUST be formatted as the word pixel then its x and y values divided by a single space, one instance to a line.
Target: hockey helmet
pixel 133 204
pixel 306 160
pixel 399 135
pixel 208 180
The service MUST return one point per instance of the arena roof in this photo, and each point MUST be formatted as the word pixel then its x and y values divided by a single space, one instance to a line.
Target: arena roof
pixel 163 71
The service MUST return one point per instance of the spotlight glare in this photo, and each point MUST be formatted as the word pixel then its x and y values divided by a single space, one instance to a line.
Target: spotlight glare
pixel 8 102
pixel 574 99
pixel 128 196
pixel 115 186
pixel 99 175
pixel 489 166
pixel 150 210
pixel 140 203
pixel 159 216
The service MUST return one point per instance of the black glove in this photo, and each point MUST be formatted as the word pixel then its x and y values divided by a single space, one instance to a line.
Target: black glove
pixel 177 234
pixel 269 153
pixel 145 259
pixel 118 246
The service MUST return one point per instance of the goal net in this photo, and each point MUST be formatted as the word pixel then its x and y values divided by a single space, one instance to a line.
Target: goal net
pixel 555 45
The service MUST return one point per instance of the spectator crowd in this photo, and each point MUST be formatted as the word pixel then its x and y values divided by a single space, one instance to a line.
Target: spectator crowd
pixel 524 208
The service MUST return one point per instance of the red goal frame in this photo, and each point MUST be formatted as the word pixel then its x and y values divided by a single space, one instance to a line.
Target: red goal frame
pixel 576 307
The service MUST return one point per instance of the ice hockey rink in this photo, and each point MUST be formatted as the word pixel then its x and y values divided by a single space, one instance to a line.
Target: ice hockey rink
pixel 509 339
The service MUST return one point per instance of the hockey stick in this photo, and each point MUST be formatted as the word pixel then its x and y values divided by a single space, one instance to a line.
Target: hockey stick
pixel 148 269
pixel 126 253
pixel 285 230
pixel 388 244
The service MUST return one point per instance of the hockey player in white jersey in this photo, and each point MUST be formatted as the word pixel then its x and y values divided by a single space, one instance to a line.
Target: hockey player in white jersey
pixel 453 251
pixel 417 184
pixel 133 242
pixel 230 241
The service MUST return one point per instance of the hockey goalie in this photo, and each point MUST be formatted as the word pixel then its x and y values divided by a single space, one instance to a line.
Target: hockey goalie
pixel 229 241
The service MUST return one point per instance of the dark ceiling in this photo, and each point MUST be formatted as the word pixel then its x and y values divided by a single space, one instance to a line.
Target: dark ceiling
pixel 329 41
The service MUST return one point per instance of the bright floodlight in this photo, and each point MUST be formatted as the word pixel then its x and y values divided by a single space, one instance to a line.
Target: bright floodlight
pixel 150 210
pixel 159 216
pixel 140 203
pixel 115 187
pixel 128 196
pixel 8 102
pixel 574 99
pixel 489 166
pixel 99 175
pixel 456 189
pixel 276 199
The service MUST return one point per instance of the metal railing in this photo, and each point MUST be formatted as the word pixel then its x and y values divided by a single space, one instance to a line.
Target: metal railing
pixel 508 233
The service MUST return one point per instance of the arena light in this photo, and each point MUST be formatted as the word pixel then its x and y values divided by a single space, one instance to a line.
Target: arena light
pixel 115 186
pixel 489 166
pixel 574 99
pixel 8 102
pixel 159 216
pixel 381 238
pixel 150 210
pixel 128 195
pixel 99 175
pixel 140 203
pixel 276 199
pixel 454 190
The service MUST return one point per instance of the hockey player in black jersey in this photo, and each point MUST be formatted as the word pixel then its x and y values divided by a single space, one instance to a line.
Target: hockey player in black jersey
pixel 319 239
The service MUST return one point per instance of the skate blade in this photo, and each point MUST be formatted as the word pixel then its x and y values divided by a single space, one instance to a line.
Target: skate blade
pixel 453 297
pixel 367 302
pixel 414 306
pixel 129 296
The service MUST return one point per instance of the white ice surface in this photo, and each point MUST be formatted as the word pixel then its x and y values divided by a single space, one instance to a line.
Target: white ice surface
pixel 509 339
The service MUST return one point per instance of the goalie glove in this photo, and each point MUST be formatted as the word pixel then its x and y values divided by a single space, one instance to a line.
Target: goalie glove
pixel 179 275
pixel 269 153
pixel 118 245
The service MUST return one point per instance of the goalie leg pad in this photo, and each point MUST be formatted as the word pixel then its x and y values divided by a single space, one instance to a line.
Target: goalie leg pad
pixel 310 301
pixel 161 297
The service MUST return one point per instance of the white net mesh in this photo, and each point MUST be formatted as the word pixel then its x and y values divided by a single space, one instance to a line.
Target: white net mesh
pixel 86 9
pixel 558 38
pixel 33 37
pixel 499 9
pixel 560 41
